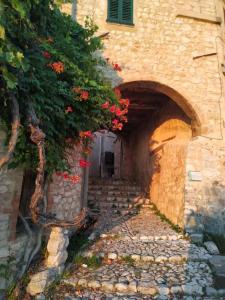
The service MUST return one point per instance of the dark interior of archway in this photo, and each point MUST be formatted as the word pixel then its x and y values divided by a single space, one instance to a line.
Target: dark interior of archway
pixel 154 145
pixel 147 104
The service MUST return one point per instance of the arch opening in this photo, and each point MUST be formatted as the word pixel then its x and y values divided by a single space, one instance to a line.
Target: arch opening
pixel 151 149
pixel 160 125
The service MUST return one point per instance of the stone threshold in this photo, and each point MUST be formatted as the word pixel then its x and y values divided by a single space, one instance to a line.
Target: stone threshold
pixel 141 279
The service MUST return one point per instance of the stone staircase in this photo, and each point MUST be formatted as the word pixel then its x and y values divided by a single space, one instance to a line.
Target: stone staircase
pixel 115 195
pixel 141 256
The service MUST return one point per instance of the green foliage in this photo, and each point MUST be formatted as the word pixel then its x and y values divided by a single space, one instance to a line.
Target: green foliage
pixel 33 36
pixel 165 219
pixel 92 262
pixel 128 260
pixel 77 242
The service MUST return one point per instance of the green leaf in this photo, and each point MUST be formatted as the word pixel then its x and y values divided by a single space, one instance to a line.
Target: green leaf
pixel 19 7
pixel 2 32
pixel 10 79
pixel 19 56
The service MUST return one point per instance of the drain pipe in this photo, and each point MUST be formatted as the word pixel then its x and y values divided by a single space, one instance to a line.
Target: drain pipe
pixel 74 10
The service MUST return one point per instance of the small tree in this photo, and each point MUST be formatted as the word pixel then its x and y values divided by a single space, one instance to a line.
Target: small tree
pixel 50 86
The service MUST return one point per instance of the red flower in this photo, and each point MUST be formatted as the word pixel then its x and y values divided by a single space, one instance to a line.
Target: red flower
pixel 120 126
pixel 84 163
pixel 112 109
pixel 84 95
pixel 57 67
pixel 119 112
pixel 46 54
pixel 115 122
pixel 124 119
pixel 75 179
pixel 116 67
pixel 65 175
pixel 117 125
pixel 105 105
pixel 124 102
pixel 86 134
pixel 68 109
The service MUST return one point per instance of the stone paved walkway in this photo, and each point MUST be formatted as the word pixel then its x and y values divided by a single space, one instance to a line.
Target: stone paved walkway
pixel 142 258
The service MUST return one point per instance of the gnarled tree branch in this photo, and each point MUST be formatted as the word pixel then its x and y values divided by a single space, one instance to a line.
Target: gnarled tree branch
pixel 15 130
pixel 38 137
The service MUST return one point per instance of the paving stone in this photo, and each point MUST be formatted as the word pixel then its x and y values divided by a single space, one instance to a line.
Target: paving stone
pixel 212 248
pixel 164 265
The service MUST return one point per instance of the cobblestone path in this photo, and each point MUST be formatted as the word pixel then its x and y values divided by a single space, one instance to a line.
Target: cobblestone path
pixel 142 257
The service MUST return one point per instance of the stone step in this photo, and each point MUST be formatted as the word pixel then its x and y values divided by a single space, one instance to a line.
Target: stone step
pixel 106 198
pixel 114 194
pixel 111 182
pixel 179 251
pixel 145 226
pixel 165 279
pixel 113 204
pixel 108 188
pixel 90 294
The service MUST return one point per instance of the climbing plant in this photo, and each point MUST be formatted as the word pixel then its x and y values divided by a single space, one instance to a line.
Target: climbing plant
pixel 51 86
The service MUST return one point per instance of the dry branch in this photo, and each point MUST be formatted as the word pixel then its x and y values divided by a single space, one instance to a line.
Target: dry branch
pixel 15 130
pixel 78 221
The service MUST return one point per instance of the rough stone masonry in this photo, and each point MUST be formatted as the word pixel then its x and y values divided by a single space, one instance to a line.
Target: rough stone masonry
pixel 177 47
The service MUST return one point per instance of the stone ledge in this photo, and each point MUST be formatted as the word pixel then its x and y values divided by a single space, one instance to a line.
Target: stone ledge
pixel 199 16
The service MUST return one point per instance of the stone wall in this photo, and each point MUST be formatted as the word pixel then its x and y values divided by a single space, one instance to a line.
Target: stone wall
pixel 65 197
pixel 12 244
pixel 178 46
pixel 205 199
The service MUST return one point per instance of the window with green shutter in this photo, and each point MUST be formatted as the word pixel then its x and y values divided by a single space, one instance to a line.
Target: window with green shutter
pixel 120 11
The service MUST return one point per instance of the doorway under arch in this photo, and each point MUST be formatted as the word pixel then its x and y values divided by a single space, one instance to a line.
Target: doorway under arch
pixel 154 144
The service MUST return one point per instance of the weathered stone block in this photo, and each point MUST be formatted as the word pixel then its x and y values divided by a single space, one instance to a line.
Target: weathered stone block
pixel 40 281
pixel 218 265
pixel 212 248
pixel 56 260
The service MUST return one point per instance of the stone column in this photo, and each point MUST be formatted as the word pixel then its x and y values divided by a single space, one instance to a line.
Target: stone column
pixel 57 245
pixel 54 265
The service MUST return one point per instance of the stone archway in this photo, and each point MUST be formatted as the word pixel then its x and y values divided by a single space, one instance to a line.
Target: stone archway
pixel 160 125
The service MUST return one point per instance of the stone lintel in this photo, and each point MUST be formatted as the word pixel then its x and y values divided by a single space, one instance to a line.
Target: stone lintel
pixel 199 16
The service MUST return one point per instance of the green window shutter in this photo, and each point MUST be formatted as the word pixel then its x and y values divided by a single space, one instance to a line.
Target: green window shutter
pixel 120 11
pixel 113 10
pixel 127 12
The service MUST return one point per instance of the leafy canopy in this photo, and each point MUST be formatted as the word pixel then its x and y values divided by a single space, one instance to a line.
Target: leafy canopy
pixel 46 59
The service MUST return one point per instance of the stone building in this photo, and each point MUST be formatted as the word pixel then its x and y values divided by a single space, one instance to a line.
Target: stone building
pixel 171 54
